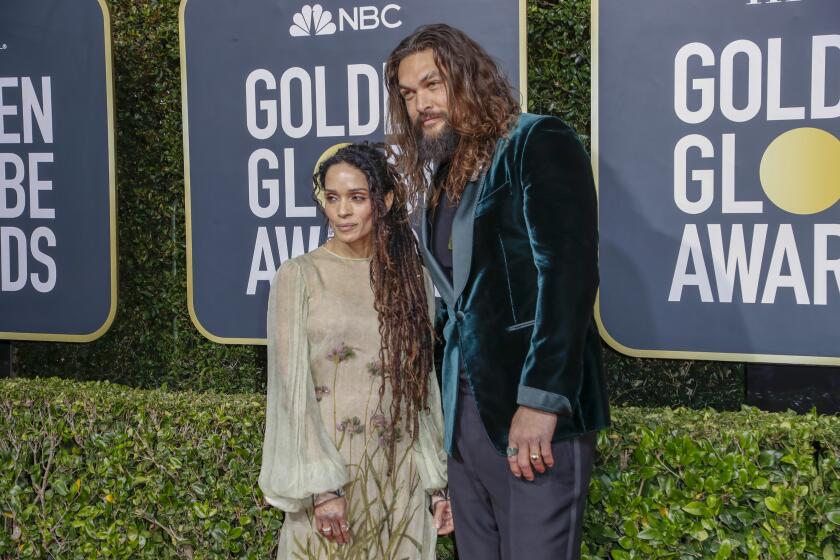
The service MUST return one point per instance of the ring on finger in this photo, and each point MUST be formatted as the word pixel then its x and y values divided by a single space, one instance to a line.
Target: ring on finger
pixel 345 527
pixel 326 529
pixel 535 457
pixel 512 451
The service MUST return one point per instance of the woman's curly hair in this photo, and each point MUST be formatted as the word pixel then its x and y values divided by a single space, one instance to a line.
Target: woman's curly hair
pixel 482 106
pixel 396 277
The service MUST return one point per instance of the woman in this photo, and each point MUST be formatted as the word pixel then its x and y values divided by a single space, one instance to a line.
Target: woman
pixel 353 444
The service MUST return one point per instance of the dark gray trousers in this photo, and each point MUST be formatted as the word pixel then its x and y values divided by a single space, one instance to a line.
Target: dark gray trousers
pixel 500 517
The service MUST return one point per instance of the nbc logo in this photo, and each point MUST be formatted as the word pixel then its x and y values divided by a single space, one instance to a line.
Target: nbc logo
pixel 312 20
pixel 315 20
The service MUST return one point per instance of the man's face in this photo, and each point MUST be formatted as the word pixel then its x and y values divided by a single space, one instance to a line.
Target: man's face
pixel 424 93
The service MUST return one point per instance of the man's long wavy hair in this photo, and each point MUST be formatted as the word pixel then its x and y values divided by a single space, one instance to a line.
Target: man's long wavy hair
pixel 482 106
pixel 396 277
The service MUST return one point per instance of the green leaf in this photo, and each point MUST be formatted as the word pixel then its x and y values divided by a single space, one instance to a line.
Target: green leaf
pixel 768 458
pixel 200 510
pixel 647 472
pixel 775 504
pixel 629 528
pixel 650 534
pixel 724 551
pixel 695 508
pixel 761 483
pixel 828 552
pixel 608 533
pixel 61 487
pixel 834 516
pixel 700 534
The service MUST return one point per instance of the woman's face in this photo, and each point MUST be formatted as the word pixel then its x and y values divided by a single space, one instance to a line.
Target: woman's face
pixel 347 205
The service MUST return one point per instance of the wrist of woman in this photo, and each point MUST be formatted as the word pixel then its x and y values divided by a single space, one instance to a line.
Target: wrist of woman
pixel 324 497
pixel 438 496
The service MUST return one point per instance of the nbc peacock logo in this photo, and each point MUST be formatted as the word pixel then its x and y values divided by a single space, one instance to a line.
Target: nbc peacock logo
pixel 312 20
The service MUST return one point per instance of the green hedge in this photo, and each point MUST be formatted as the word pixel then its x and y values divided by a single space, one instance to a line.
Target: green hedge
pixel 152 341
pixel 99 469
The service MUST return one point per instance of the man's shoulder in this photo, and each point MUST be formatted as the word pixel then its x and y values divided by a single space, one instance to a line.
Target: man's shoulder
pixel 533 128
pixel 529 122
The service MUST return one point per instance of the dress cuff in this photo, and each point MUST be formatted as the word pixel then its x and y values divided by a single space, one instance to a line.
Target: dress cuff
pixel 543 400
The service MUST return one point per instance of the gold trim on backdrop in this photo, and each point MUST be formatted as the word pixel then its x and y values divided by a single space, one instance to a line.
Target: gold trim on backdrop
pixel 712 356
pixel 523 86
pixel 667 354
pixel 112 205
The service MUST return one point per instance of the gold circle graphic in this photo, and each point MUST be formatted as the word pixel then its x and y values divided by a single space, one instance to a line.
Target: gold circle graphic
pixel 800 171
pixel 328 153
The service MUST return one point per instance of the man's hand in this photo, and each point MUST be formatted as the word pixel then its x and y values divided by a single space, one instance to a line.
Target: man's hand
pixel 443 517
pixel 530 432
pixel 331 520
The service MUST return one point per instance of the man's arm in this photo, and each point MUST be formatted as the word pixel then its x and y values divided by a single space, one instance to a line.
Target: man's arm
pixel 560 208
pixel 561 213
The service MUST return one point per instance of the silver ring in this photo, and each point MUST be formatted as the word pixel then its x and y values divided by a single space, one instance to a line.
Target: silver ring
pixel 512 451
pixel 345 527
pixel 326 529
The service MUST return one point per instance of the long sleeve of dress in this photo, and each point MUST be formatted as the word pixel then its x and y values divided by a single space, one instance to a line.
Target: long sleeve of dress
pixel 430 456
pixel 299 459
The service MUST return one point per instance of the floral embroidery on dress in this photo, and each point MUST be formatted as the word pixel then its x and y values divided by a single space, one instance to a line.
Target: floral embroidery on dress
pixel 375 368
pixel 340 353
pixel 351 426
pixel 337 355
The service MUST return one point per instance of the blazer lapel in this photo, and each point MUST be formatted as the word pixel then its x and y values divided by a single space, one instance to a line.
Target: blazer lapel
pixel 462 237
pixel 441 281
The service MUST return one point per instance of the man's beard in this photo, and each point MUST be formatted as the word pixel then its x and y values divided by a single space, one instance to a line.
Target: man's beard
pixel 438 148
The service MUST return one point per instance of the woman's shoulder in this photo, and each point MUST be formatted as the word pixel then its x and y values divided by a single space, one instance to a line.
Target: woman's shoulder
pixel 303 266
pixel 293 268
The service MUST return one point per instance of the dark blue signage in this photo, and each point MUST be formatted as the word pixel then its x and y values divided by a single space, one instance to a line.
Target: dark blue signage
pixel 269 87
pixel 716 140
pixel 58 276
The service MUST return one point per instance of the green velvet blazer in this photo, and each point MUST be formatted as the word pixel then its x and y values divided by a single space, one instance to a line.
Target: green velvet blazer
pixel 518 313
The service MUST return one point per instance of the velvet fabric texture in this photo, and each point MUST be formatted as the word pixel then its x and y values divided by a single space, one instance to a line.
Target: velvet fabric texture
pixel 518 315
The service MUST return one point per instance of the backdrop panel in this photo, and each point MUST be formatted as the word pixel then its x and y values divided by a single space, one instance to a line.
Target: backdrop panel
pixel 58 267
pixel 717 152
pixel 267 87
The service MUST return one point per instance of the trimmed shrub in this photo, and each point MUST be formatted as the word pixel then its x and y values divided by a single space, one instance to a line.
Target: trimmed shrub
pixel 98 469
pixel 152 342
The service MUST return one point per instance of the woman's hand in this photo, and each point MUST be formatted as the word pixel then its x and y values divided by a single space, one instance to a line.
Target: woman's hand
pixel 443 517
pixel 331 520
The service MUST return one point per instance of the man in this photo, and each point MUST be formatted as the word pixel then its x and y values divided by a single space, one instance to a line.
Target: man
pixel 509 234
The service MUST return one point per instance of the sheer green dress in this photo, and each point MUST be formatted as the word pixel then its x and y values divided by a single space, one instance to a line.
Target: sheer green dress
pixel 326 423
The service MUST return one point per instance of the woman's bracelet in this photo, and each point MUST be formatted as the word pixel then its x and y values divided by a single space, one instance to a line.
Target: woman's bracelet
pixel 438 496
pixel 324 497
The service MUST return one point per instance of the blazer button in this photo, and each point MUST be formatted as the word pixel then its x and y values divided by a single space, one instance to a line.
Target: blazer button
pixel 460 315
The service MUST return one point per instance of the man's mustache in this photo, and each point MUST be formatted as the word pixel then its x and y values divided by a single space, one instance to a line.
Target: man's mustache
pixel 418 121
